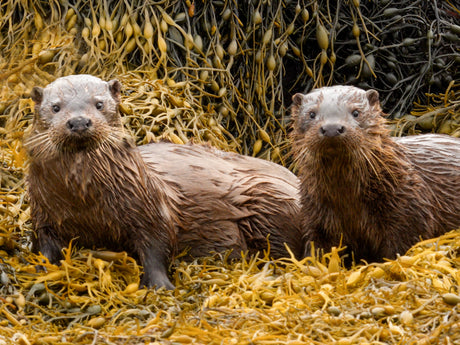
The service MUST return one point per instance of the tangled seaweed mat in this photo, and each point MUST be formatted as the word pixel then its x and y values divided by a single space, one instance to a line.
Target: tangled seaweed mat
pixel 94 298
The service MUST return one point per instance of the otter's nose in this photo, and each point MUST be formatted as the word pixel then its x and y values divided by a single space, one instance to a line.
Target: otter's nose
pixel 332 130
pixel 79 124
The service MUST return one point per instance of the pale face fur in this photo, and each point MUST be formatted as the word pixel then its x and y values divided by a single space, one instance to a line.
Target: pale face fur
pixel 76 96
pixel 338 108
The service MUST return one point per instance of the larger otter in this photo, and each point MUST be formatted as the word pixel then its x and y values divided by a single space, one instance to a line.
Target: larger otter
pixel 88 182
pixel 379 194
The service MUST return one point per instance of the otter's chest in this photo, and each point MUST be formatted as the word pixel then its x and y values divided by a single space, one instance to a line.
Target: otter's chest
pixel 75 182
pixel 72 191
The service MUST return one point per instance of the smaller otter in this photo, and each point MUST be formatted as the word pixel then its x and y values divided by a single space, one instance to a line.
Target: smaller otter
pixel 88 182
pixel 377 194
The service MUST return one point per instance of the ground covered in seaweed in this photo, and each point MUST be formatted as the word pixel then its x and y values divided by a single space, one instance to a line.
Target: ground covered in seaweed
pixel 94 298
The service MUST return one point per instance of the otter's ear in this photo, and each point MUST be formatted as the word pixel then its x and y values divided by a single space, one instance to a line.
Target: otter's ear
pixel 37 94
pixel 373 97
pixel 297 99
pixel 115 89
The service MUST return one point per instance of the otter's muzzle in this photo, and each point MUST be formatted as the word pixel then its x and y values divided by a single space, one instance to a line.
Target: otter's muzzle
pixel 332 130
pixel 79 124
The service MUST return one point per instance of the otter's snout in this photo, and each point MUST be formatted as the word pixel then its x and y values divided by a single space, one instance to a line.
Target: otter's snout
pixel 332 130
pixel 79 124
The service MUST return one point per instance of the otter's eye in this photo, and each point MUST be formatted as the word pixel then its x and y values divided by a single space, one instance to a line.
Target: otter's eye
pixel 56 108
pixel 312 114
pixel 99 105
pixel 355 113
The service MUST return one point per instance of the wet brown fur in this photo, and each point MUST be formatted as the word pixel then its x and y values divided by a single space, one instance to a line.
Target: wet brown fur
pixel 229 201
pixel 379 194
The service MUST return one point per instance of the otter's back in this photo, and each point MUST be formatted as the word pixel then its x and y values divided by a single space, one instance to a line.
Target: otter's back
pixel 230 201
pixel 436 157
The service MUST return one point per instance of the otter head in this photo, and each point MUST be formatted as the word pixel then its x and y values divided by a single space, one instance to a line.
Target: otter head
pixel 74 113
pixel 336 119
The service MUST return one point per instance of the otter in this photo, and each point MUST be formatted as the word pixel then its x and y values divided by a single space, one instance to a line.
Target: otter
pixel 377 195
pixel 89 183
